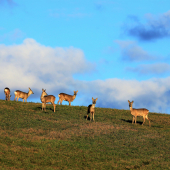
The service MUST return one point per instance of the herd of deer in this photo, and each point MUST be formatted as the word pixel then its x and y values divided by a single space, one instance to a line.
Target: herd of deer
pixel 45 98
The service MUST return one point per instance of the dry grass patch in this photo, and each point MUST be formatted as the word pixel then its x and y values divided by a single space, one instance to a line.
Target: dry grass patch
pixel 151 136
pixel 65 134
pixel 8 107
pixel 90 129
pixel 36 131
pixel 4 167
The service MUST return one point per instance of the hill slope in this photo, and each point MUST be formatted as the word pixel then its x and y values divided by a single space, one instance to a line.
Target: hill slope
pixel 32 139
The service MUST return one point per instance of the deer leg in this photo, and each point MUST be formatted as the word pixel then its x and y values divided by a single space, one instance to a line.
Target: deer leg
pixel 45 106
pixel 17 98
pixel 54 107
pixel 58 101
pixel 90 116
pixel 143 120
pixel 133 120
pixel 93 116
pixel 87 116
pixel 148 120
pixel 61 102
pixel 69 103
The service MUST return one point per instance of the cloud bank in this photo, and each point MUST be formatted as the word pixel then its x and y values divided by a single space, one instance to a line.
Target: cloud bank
pixel 33 65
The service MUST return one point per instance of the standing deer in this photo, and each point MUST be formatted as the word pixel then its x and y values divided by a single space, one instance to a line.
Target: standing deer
pixel 22 95
pixel 47 98
pixel 66 97
pixel 91 109
pixel 7 93
pixel 139 112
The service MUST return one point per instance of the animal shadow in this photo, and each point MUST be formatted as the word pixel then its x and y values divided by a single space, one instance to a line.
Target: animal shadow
pixel 86 117
pixel 47 109
pixel 130 121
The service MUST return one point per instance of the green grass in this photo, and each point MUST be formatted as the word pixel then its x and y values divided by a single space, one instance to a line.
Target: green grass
pixel 33 139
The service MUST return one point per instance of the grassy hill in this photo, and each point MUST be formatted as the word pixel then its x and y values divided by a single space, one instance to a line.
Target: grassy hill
pixel 32 139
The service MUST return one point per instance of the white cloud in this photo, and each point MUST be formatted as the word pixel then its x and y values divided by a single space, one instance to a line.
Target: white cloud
pixel 152 94
pixel 33 65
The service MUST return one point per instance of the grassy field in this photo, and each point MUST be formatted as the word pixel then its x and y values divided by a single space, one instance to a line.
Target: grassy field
pixel 32 139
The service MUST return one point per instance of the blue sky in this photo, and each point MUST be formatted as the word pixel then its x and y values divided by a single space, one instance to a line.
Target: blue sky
pixel 116 50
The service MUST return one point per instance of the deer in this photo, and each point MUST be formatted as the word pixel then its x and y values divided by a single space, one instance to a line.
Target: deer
pixel 66 97
pixel 139 112
pixel 45 98
pixel 22 95
pixel 91 109
pixel 7 94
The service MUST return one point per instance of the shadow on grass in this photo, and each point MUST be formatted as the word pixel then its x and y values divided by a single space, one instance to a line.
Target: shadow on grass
pixel 86 117
pixel 47 108
pixel 130 121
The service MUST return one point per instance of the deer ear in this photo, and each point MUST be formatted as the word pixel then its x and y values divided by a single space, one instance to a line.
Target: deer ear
pixel 77 90
pixel 132 101
pixel 92 98
pixel 128 101
pixel 96 99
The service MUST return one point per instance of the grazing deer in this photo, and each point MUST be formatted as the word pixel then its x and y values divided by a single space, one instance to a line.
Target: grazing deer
pixel 139 112
pixel 47 98
pixel 66 97
pixel 91 109
pixel 7 93
pixel 22 95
